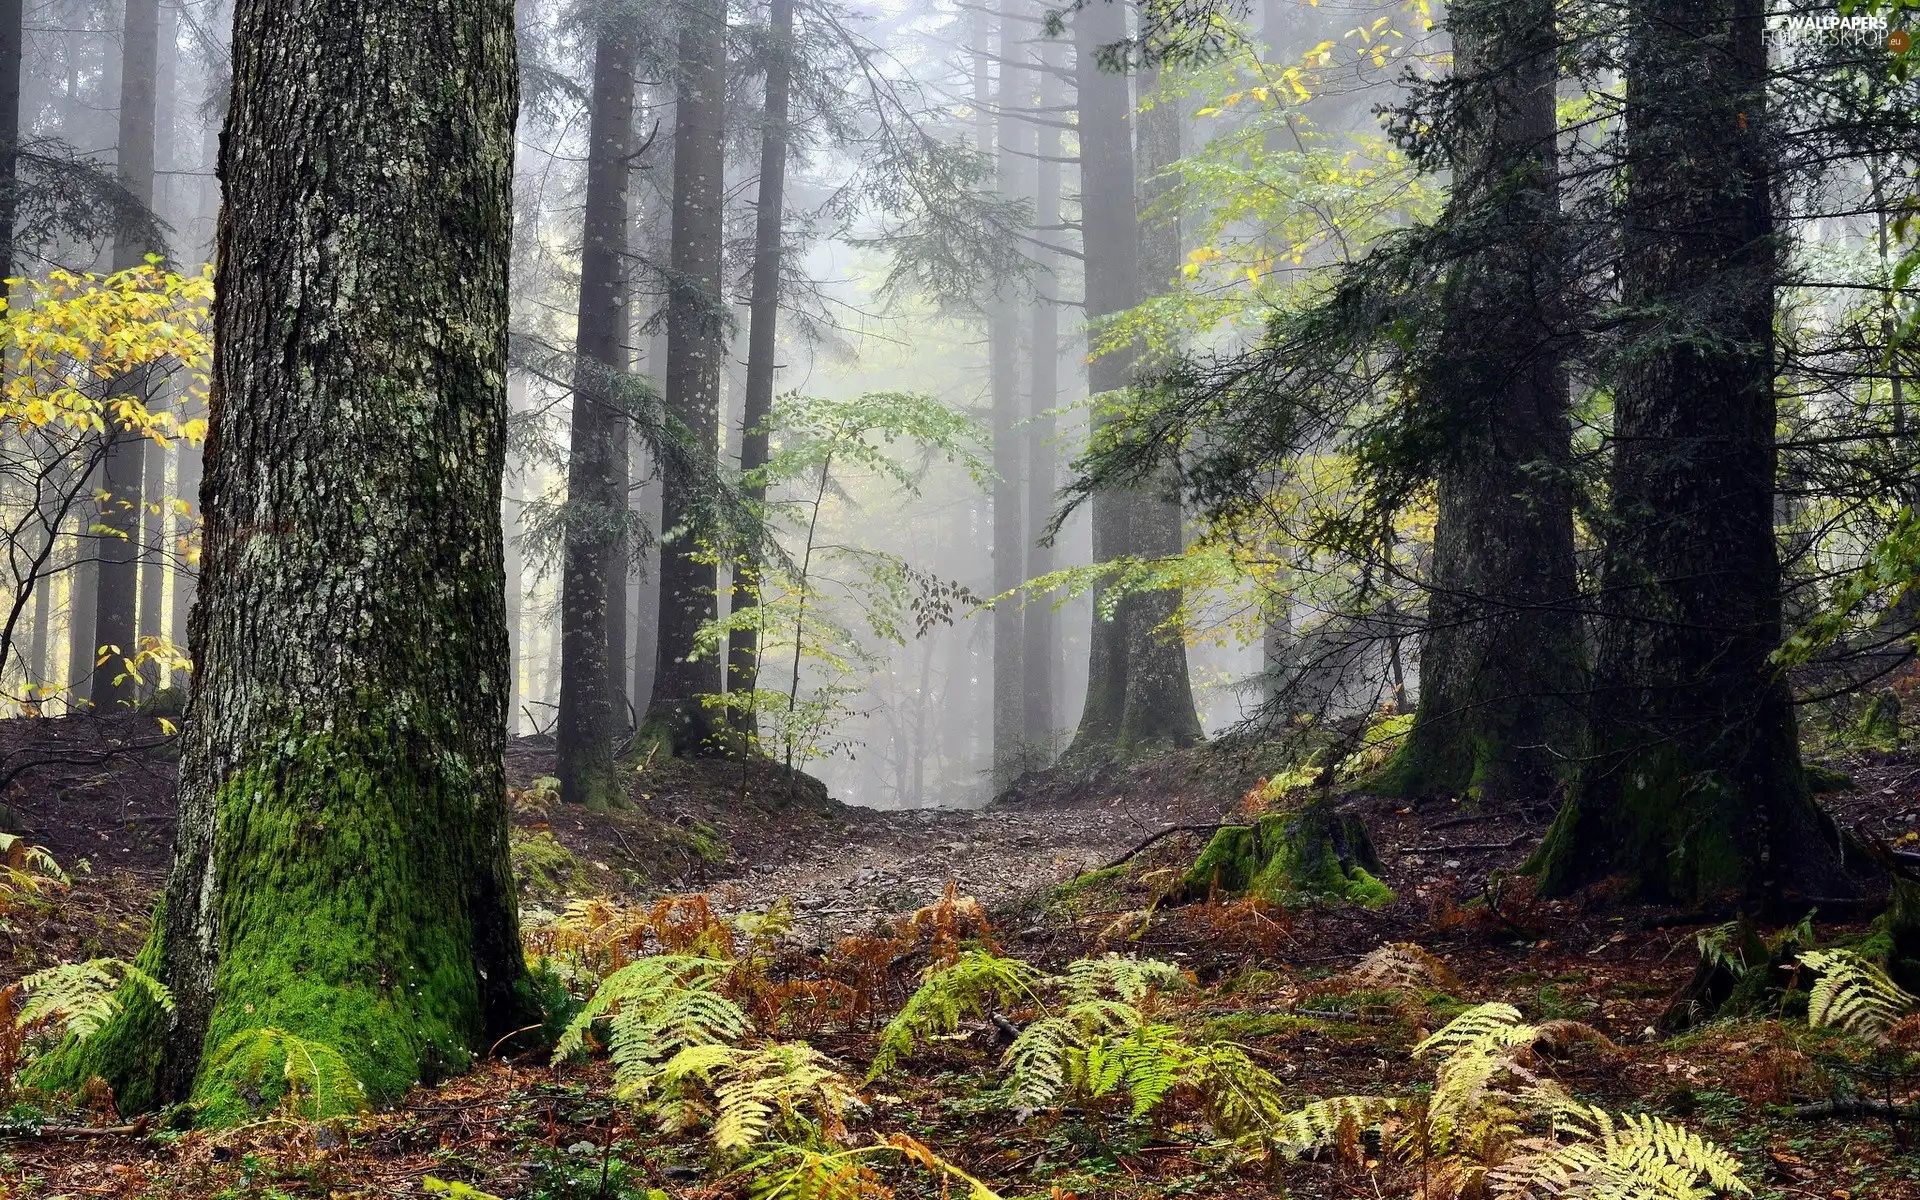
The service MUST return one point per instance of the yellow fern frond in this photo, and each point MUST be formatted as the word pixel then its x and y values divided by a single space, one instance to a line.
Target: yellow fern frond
pixel 1401 965
pixel 79 998
pixel 1854 994
pixel 1319 1124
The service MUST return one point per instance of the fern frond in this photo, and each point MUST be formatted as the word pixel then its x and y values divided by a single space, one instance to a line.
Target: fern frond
pixel 783 1172
pixel 659 1004
pixel 81 997
pixel 1242 1099
pixel 946 994
pixel 1636 1157
pixel 1149 1061
pixel 1854 994
pixel 778 1083
pixel 914 1151
pixel 319 1083
pixel 1037 1064
pixel 1126 978
pixel 1493 1024
pixel 1401 965
pixel 1319 1124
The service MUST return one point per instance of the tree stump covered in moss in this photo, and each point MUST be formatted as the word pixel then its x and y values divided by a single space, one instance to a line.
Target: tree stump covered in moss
pixel 1879 726
pixel 1310 855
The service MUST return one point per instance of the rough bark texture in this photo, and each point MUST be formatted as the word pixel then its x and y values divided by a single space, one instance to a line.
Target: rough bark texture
pixel 1108 230
pixel 1158 711
pixel 1003 368
pixel 743 649
pixel 341 867
pixel 1040 649
pixel 1500 668
pixel 696 323
pixel 590 684
pixel 117 579
pixel 1694 787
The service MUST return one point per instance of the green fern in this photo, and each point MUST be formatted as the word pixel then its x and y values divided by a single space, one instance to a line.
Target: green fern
pixel 1636 1157
pixel 1854 994
pixel 1242 1099
pixel 788 1172
pixel 947 994
pixel 1126 978
pixel 659 1004
pixel 319 1083
pixel 79 998
pixel 784 1087
pixel 1323 1122
pixel 1482 1026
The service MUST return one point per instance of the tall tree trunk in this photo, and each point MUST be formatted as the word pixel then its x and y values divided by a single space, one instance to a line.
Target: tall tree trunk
pixel 1500 668
pixel 1109 235
pixel 186 575
pixel 154 515
pixel 696 343
pixel 646 623
pixel 13 45
pixel 763 315
pixel 118 575
pixel 1693 786
pixel 341 871
pixel 596 455
pixel 514 504
pixel 1040 651
pixel 1010 755
pixel 1158 711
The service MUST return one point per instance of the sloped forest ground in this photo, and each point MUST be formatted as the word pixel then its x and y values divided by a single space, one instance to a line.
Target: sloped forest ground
pixel 1297 991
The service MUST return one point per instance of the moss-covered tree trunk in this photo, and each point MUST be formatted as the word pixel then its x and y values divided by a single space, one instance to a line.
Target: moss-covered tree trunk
pixel 591 680
pixel 1500 664
pixel 1693 784
pixel 696 343
pixel 341 867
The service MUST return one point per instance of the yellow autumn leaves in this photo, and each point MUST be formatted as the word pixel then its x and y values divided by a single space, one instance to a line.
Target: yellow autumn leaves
pixel 80 350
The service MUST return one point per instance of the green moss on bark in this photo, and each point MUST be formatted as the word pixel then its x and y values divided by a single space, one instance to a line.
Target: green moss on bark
pixel 1311 855
pixel 343 916
pixel 127 1052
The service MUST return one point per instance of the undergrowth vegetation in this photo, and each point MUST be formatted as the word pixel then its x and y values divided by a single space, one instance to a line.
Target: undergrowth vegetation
pixel 786 1071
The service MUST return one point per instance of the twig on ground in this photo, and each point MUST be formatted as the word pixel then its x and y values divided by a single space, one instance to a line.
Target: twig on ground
pixel 1169 831
pixel 1465 847
pixel 1856 1106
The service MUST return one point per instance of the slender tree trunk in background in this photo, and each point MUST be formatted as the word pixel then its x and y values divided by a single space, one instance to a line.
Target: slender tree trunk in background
pixel 341 870
pixel 82 590
pixel 696 344
pixel 13 44
pixel 763 315
pixel 1110 237
pixel 156 516
pixel 1040 651
pixel 186 575
pixel 1692 788
pixel 1500 670
pixel 646 623
pixel 590 679
pixel 510 510
pixel 619 575
pixel 1010 755
pixel 121 477
pixel 1158 712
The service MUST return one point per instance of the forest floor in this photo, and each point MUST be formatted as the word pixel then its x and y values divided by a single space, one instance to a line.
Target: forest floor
pixel 99 794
